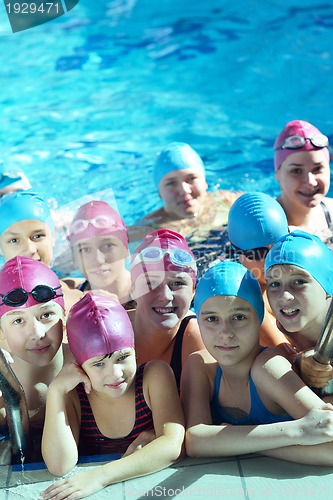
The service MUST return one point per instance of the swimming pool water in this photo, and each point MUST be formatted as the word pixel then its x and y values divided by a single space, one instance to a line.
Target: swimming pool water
pixel 87 100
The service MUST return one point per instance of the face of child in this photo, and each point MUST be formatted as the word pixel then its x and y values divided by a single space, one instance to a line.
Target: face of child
pixel 112 375
pixel 101 259
pixel 182 192
pixel 297 300
pixel 28 238
pixel 304 178
pixel 34 334
pixel 163 298
pixel 229 328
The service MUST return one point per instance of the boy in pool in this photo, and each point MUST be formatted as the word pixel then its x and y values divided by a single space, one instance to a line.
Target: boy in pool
pixel 163 271
pixel 299 276
pixel 188 208
pixel 255 222
pixel 239 397
pixel 302 168
pixel 102 403
pixel 99 243
pixel 32 322
pixel 26 229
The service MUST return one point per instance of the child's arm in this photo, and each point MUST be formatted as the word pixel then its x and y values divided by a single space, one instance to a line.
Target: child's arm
pixel 161 393
pixel 205 439
pixel 61 426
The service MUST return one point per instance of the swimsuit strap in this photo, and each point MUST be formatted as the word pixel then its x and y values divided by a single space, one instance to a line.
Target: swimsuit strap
pixel 82 286
pixel 176 358
pixel 327 214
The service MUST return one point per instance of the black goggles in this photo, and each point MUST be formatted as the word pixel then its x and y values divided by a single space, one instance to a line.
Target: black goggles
pixel 297 142
pixel 18 296
pixel 254 253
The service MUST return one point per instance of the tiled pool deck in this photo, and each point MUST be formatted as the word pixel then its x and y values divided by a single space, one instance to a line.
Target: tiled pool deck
pixel 240 478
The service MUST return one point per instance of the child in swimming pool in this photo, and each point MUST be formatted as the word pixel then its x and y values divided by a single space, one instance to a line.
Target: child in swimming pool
pixel 255 222
pixel 93 404
pixel 302 168
pixel 32 323
pixel 239 398
pixel 99 243
pixel 163 272
pixel 26 229
pixel 299 276
pixel 188 208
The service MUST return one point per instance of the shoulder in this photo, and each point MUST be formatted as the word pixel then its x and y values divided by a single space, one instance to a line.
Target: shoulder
pixel 200 362
pixel 270 364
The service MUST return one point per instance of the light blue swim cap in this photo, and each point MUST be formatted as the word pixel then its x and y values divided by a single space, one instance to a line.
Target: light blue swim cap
pixel 256 220
pixel 306 251
pixel 23 205
pixel 229 278
pixel 176 156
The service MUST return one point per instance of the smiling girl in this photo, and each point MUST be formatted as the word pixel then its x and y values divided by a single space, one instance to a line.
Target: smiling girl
pixel 103 404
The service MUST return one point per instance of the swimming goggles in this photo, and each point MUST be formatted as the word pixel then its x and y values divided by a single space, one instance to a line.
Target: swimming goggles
pixel 18 296
pixel 258 253
pixel 178 257
pixel 100 222
pixel 297 141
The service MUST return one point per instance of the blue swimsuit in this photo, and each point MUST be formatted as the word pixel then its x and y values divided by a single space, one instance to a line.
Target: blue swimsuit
pixel 258 412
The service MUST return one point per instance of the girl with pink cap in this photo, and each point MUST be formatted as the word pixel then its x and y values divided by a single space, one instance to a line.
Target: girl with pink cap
pixel 302 168
pixel 163 271
pixel 105 402
pixel 32 322
pixel 99 242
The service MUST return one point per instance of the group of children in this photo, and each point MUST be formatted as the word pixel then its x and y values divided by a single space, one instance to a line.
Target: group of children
pixel 117 362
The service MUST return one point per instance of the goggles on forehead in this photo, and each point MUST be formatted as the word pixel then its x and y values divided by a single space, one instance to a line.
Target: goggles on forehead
pixel 297 142
pixel 100 222
pixel 18 296
pixel 178 257
pixel 258 253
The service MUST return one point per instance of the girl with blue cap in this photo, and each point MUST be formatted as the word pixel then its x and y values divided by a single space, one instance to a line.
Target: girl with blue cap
pixel 299 275
pixel 188 208
pixel 255 222
pixel 236 382
pixel 27 229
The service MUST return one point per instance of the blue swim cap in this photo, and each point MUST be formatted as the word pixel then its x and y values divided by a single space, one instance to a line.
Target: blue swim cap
pixel 306 251
pixel 229 278
pixel 176 156
pixel 23 205
pixel 256 220
pixel 6 178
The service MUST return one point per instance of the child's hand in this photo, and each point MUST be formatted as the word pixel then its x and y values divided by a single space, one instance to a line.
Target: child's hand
pixel 70 376
pixel 316 427
pixel 80 485
pixel 313 373
pixel 144 438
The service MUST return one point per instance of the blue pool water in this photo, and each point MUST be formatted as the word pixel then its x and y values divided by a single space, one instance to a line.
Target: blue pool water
pixel 87 100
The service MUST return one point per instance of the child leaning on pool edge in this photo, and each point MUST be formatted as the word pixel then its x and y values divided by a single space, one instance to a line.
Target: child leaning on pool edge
pixel 299 276
pixel 93 404
pixel 32 319
pixel 240 398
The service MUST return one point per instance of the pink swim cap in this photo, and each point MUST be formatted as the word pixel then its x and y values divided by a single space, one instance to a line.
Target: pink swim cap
pixel 97 218
pixel 163 250
pixel 26 282
pixel 98 325
pixel 298 128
